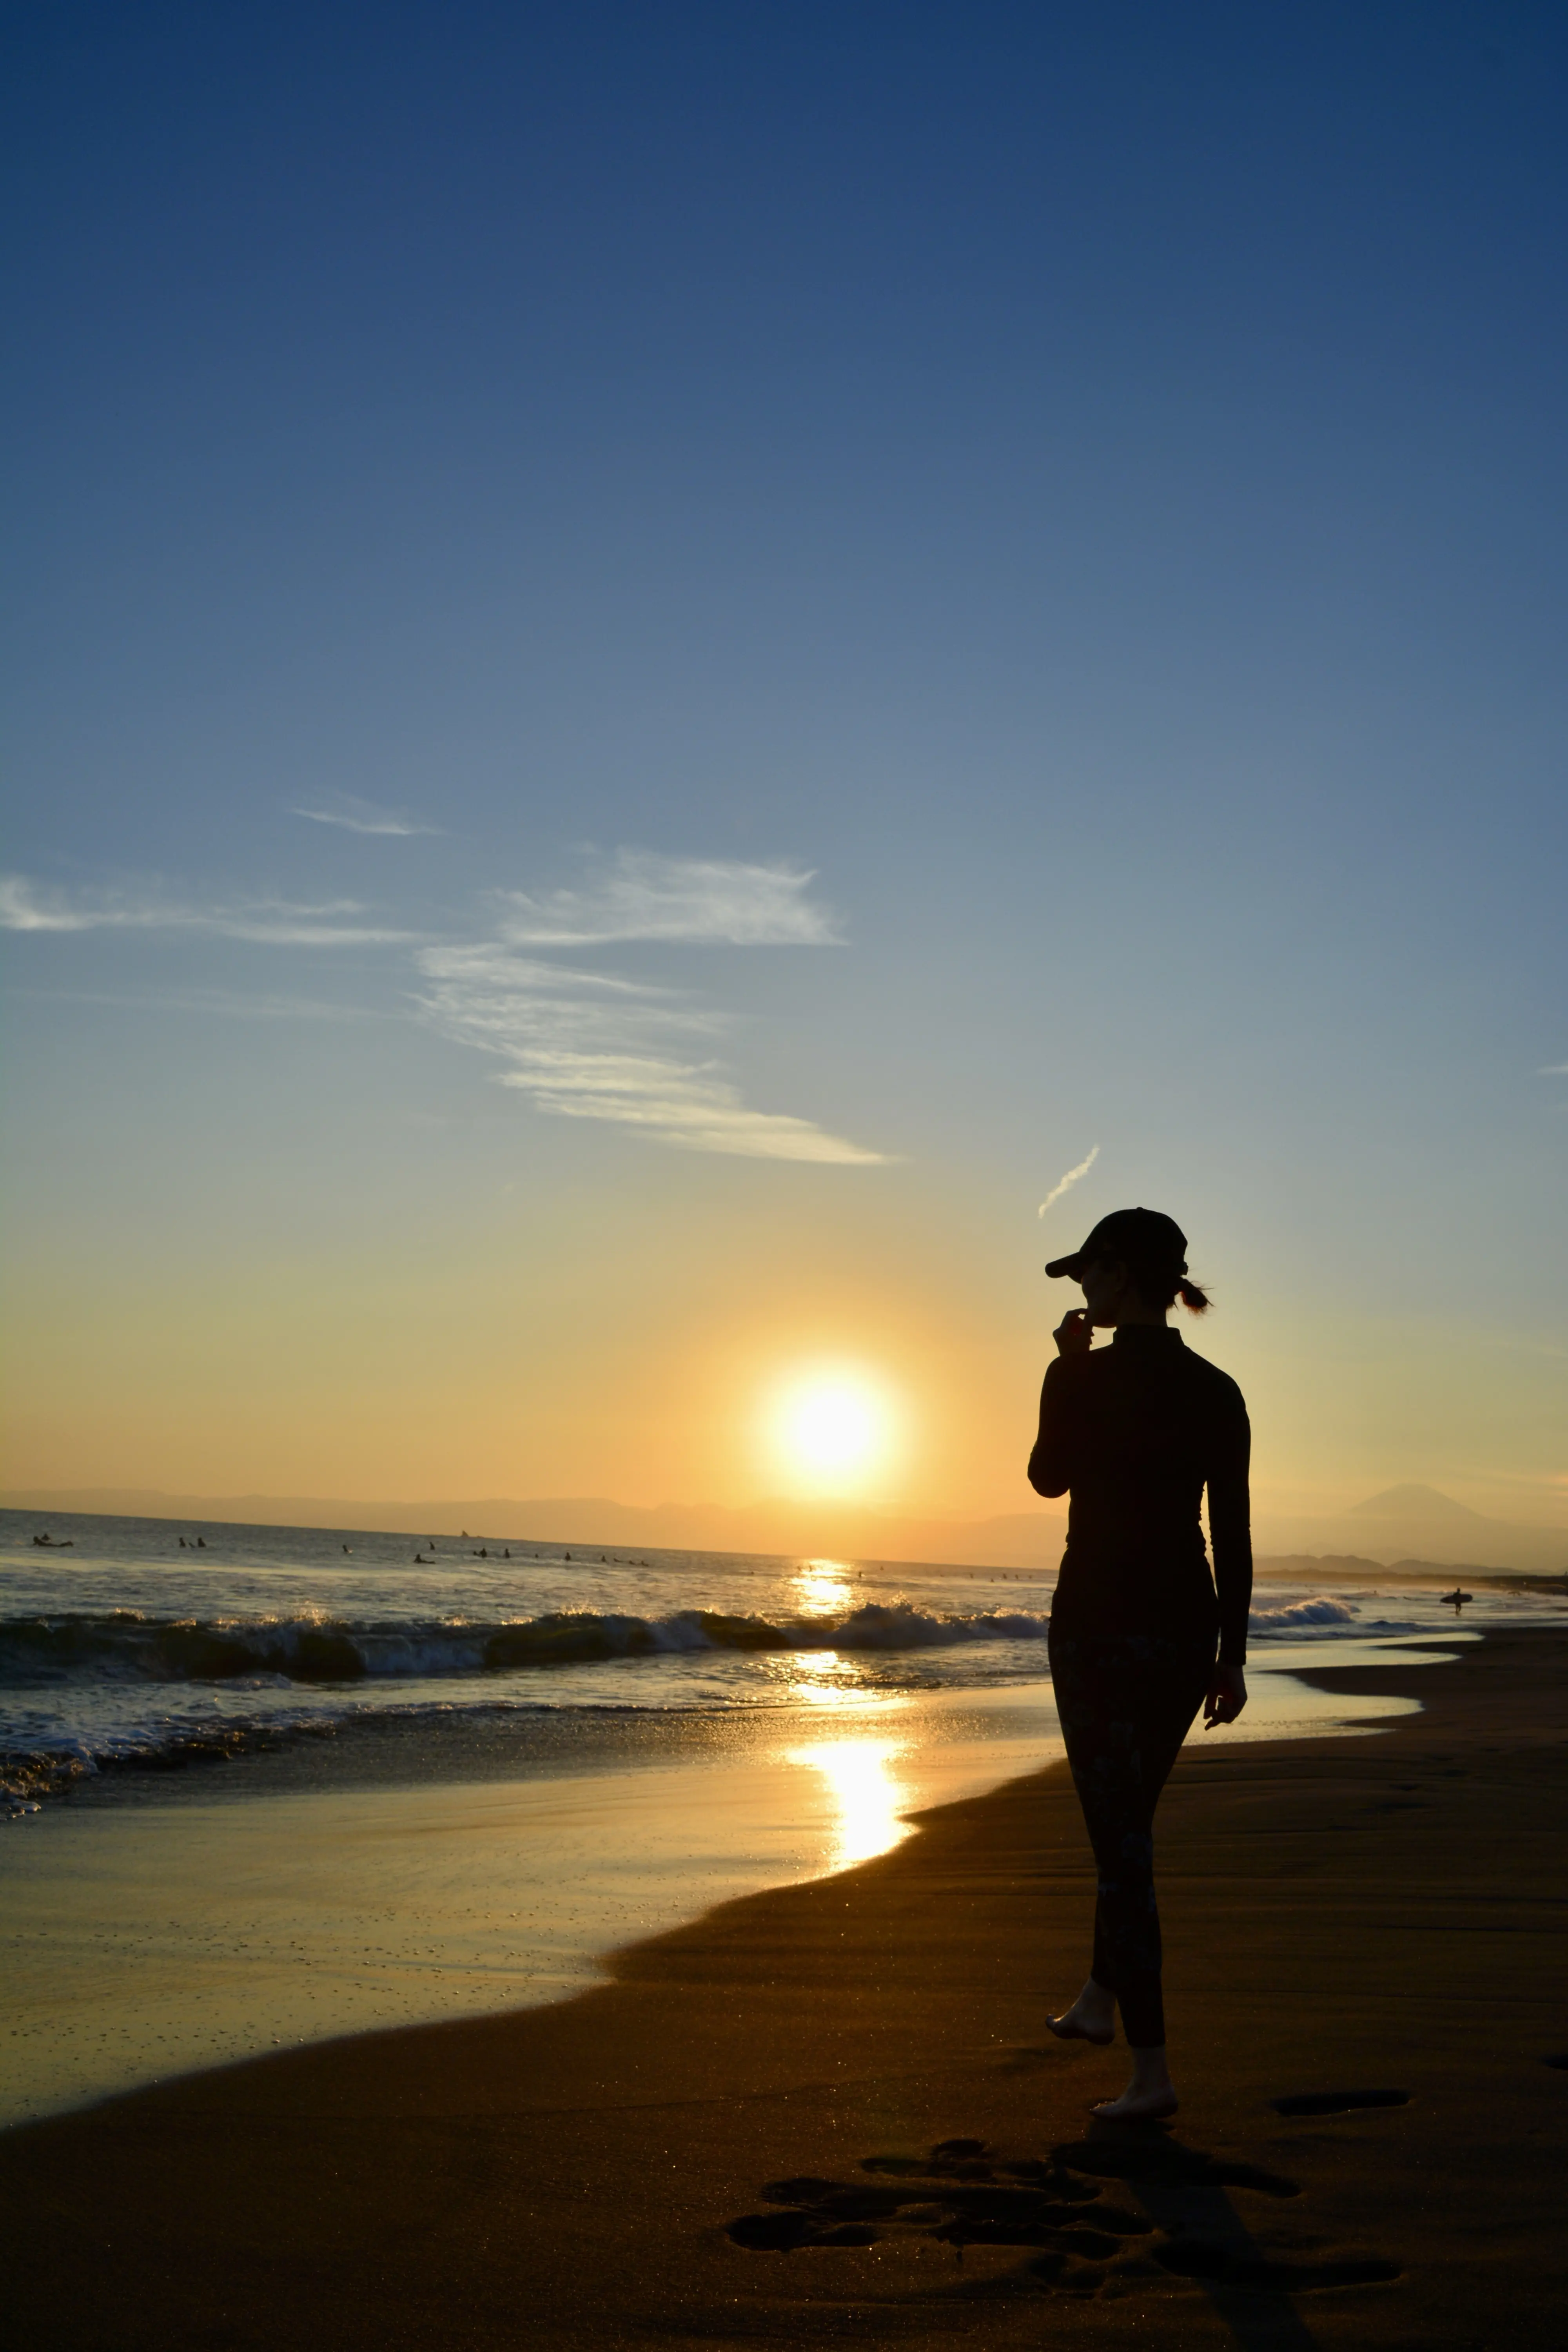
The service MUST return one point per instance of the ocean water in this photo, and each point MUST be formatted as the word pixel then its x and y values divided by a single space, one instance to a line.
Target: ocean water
pixel 129 1646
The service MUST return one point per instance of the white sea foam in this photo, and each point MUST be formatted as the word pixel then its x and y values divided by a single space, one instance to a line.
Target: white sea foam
pixel 1295 1616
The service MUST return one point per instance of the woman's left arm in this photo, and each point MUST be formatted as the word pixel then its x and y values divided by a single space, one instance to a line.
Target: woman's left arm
pixel 1230 1534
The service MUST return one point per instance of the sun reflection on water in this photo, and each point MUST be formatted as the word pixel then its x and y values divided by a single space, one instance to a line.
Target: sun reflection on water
pixel 866 1792
pixel 823 1587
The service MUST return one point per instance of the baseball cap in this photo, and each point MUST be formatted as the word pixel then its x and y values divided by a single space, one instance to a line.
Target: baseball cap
pixel 1143 1237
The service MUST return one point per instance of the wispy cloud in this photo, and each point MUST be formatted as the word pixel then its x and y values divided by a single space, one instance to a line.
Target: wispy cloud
pixel 227 1003
pixel 585 1045
pixel 1068 1181
pixel 1553 1070
pixel 267 923
pixel 354 815
pixel 580 1043
pixel 696 900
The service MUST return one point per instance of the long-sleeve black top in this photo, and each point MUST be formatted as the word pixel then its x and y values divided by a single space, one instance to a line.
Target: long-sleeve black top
pixel 1135 1432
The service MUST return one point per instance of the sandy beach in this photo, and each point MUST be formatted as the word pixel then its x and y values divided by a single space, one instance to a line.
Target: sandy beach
pixel 826 2112
pixel 201 1883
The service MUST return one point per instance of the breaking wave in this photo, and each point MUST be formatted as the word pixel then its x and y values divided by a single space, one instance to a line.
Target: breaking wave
pixel 125 1646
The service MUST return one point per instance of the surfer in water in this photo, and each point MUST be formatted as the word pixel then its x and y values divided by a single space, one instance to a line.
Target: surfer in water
pixel 1133 1433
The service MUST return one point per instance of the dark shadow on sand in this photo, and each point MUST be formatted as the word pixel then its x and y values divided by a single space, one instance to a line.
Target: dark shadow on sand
pixel 1202 2238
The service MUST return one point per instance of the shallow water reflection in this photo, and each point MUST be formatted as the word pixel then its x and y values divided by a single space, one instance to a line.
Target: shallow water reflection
pixel 867 1795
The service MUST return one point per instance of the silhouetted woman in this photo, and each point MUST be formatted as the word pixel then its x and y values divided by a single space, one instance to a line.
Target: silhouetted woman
pixel 1135 1432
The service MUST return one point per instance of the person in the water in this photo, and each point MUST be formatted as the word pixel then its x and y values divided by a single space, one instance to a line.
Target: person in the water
pixel 1133 1433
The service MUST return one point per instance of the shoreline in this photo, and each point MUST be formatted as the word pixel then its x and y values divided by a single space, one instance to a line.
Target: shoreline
pixel 172 1923
pixel 1340 1912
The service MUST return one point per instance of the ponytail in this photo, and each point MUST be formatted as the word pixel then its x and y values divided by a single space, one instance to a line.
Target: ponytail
pixel 1161 1286
pixel 1163 1290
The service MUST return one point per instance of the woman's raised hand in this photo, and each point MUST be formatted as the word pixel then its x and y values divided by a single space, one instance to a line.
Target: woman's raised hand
pixel 1074 1335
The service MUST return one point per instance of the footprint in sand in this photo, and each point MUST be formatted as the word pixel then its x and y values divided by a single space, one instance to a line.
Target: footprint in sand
pixel 1336 2103
pixel 964 2193
pixel 961 2195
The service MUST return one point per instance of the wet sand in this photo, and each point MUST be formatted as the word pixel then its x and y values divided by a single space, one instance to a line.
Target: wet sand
pixel 176 1930
pixel 154 1923
pixel 1341 1915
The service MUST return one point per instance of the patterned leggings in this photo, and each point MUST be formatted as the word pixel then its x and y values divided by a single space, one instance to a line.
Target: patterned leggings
pixel 1126 1703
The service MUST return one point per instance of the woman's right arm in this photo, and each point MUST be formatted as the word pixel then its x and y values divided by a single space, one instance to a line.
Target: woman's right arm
pixel 1051 1463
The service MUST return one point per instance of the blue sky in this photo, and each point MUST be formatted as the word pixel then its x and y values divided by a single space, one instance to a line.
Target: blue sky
pixel 851 603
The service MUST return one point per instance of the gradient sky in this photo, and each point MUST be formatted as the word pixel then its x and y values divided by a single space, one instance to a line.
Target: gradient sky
pixel 662 657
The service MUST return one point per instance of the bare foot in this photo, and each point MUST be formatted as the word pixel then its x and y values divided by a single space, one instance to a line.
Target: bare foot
pixel 1091 2017
pixel 1149 2098
pixel 1135 2106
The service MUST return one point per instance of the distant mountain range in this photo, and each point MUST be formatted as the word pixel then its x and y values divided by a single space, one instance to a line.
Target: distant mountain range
pixel 1404 1525
pixel 1403 1521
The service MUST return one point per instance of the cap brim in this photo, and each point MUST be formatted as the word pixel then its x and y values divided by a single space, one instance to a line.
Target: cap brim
pixel 1069 1265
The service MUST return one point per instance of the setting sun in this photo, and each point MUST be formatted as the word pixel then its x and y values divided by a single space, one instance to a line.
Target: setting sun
pixel 831 1429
